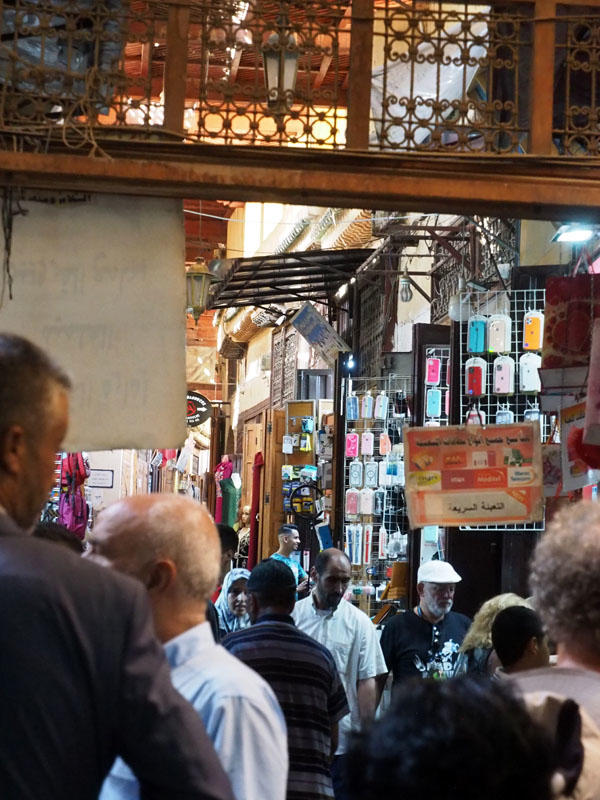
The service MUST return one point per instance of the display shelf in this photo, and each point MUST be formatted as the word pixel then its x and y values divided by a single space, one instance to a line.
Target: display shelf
pixel 373 570
pixel 492 407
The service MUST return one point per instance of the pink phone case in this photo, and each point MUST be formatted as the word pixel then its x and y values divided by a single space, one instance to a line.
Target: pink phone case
pixel 433 371
pixel 351 445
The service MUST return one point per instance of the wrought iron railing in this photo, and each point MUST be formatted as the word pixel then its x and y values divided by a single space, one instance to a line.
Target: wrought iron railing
pixel 380 75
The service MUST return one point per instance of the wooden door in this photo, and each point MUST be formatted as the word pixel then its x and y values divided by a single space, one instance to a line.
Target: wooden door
pixel 252 444
pixel 272 516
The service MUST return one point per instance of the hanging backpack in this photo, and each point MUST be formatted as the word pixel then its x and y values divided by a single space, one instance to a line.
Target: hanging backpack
pixel 73 512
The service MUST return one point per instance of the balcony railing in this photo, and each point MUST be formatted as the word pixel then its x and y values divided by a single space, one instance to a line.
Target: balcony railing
pixel 367 75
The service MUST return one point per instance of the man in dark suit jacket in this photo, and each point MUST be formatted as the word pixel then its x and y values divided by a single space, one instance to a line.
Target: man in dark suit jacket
pixel 82 676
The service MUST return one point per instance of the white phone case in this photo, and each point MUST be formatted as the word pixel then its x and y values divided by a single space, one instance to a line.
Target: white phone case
pixel 503 375
pixel 371 473
pixel 355 473
pixel 499 332
pixel 529 378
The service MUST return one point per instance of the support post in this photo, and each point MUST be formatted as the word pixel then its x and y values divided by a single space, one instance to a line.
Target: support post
pixel 542 78
pixel 176 66
pixel 359 78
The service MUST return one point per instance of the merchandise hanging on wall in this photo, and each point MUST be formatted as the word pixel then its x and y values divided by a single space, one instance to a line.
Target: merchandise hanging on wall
pixel 375 521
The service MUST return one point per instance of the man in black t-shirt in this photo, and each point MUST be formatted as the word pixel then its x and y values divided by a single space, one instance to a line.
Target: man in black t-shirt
pixel 425 640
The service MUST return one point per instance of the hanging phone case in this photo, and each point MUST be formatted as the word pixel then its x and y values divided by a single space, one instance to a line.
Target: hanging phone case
pixel 355 473
pixel 371 473
pixel 348 541
pixel 385 443
pixel 475 416
pixel 367 543
pixel 352 407
pixel 379 501
pixel 447 402
pixel 351 445
pixel 381 406
pixel 533 330
pixel 365 502
pixel 432 371
pixel 475 377
pixel 505 416
pixel 351 505
pixel 476 334
pixel 499 331
pixel 366 406
pixel 383 476
pixel 503 375
pixel 531 414
pixel 529 379
pixel 367 442
pixel 433 406
pixel 382 544
pixel 357 545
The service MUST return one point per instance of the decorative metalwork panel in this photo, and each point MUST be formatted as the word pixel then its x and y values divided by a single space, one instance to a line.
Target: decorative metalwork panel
pixel 485 250
pixel 271 72
pixel 449 77
pixel 68 66
pixel 576 119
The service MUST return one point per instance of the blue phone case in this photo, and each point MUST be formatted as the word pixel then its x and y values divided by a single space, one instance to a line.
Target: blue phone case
pixel 434 403
pixel 476 335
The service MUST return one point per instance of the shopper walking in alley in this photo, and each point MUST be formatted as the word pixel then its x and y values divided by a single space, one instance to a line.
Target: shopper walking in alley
pixel 425 641
pixel 301 672
pixel 352 639
pixel 565 580
pixel 170 544
pixel 82 677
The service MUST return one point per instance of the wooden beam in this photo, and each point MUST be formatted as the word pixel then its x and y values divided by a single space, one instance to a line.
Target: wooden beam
pixel 521 186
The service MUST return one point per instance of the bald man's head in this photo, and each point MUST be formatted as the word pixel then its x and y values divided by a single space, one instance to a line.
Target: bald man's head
pixel 136 533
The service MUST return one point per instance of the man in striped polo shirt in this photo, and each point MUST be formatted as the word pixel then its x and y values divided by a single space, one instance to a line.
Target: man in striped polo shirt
pixel 302 674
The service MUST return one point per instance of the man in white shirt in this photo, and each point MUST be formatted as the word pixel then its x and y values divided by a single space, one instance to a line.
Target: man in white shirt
pixel 354 644
pixel 170 543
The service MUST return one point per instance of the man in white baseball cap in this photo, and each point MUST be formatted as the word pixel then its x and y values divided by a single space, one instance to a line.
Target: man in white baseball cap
pixel 425 640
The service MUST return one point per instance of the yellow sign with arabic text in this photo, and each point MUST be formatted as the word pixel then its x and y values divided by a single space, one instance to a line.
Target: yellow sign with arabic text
pixel 473 475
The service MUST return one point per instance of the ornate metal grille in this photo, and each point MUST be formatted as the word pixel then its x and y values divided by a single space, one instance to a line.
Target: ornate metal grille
pixel 70 66
pixel 271 72
pixel 443 76
pixel 577 88
pixel 449 77
pixel 481 248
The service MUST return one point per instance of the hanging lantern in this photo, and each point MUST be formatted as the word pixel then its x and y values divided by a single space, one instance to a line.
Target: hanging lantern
pixel 198 280
pixel 280 58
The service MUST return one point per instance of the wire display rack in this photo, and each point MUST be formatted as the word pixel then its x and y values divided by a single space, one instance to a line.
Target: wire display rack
pixel 387 524
pixel 489 406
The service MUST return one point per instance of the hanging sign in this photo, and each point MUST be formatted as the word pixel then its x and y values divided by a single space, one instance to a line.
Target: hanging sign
pixel 199 409
pixel 473 475
pixel 319 333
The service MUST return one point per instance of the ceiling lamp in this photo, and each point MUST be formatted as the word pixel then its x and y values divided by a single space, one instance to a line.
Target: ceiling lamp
pixel 574 233
pixel 198 280
pixel 280 57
